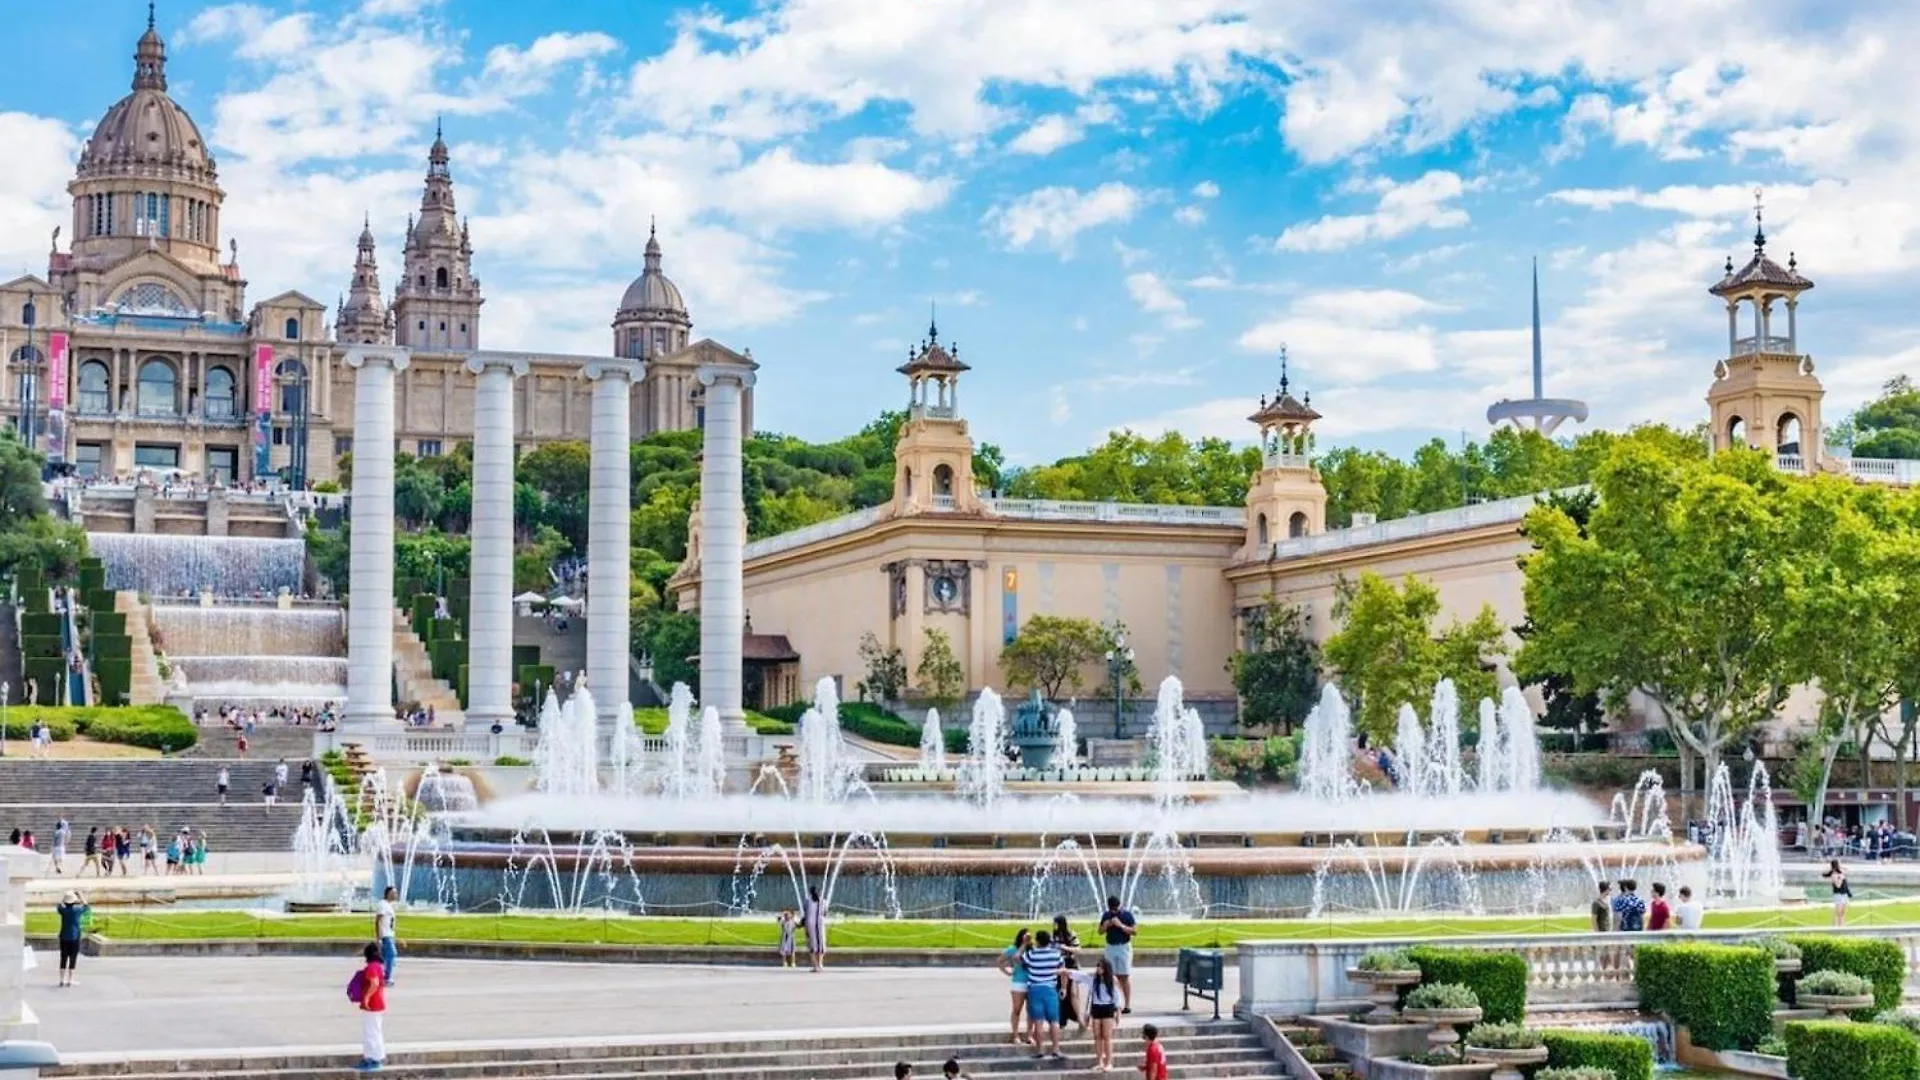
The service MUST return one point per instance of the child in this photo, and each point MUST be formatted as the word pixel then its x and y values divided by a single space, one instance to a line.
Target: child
pixel 1154 1065
pixel 788 920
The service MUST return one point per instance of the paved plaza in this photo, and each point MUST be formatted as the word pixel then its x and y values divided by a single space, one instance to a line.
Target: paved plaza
pixel 151 1004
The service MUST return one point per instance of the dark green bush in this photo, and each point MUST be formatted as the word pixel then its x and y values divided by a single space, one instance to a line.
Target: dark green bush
pixel 108 623
pixel 47 672
pixel 1722 994
pixel 1627 1057
pixel 1836 1050
pixel 525 656
pixel 447 655
pixel 20 721
pixel 103 601
pixel 1878 960
pixel 1498 979
pixel 536 679
pixel 112 646
pixel 47 625
pixel 92 576
pixel 40 644
pixel 116 679
pixel 157 727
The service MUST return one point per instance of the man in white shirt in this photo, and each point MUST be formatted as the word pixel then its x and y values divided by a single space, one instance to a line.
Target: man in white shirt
pixel 385 919
pixel 1688 915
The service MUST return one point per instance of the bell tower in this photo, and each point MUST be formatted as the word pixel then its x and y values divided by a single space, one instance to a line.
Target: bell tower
pixel 1286 498
pixel 934 456
pixel 1764 394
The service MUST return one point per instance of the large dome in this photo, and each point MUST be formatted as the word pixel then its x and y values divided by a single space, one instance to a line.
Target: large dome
pixel 146 134
pixel 652 294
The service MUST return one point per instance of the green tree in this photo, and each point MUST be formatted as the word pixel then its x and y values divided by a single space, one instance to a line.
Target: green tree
pixel 886 668
pixel 671 639
pixel 22 495
pixel 1888 426
pixel 1051 651
pixel 942 678
pixel 1386 652
pixel 1278 678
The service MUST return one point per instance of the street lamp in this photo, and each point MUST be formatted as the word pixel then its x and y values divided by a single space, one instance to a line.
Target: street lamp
pixel 1119 659
pixel 29 373
pixel 4 689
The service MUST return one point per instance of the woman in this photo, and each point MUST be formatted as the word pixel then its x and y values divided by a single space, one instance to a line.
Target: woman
pixel 371 986
pixel 1842 892
pixel 1068 943
pixel 1016 972
pixel 813 916
pixel 1103 1008
pixel 73 916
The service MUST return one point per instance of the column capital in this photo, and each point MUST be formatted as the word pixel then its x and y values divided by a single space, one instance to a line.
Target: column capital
pixel 708 374
pixel 611 367
pixel 514 364
pixel 393 355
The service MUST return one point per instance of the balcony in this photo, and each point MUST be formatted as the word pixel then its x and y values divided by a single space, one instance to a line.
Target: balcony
pixel 943 503
pixel 1277 460
pixel 1749 346
pixel 1870 470
pixel 1141 513
pixel 1497 512
pixel 932 412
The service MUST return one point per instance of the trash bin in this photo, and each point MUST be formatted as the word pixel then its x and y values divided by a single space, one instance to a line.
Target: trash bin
pixel 1201 973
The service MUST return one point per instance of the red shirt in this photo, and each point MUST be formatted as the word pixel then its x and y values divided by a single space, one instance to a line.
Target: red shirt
pixel 375 997
pixel 1659 914
pixel 1155 1066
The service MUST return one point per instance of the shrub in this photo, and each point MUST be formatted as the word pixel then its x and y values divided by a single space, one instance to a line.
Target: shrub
pixel 1621 1057
pixel 1582 1073
pixel 1497 979
pixel 157 727
pixel 116 679
pixel 1722 994
pixel 1900 1018
pixel 1504 1037
pixel 59 721
pixel 1878 960
pixel 653 721
pixel 1779 947
pixel 1430 1058
pixel 1318 1054
pixel 869 721
pixel 1387 960
pixel 1836 1050
pixel 1772 1046
pixel 1832 983
pixel 763 724
pixel 506 761
pixel 1442 996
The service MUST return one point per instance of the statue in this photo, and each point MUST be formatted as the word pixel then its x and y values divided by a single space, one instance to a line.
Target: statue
pixel 55 247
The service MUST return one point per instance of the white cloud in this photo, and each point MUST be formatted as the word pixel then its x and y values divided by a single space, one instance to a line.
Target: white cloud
pixel 1206 189
pixel 1425 203
pixel 1156 297
pixel 1054 216
pixel 779 188
pixel 515 71
pixel 1351 336
pixel 33 189
pixel 1049 133
pixel 1190 215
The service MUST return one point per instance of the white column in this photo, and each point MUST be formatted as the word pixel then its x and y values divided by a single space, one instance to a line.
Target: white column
pixel 723 536
pixel 19 1027
pixel 609 529
pixel 370 601
pixel 1793 326
pixel 490 601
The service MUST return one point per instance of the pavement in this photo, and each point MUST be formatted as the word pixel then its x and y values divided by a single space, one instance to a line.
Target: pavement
pixel 229 876
pixel 152 1004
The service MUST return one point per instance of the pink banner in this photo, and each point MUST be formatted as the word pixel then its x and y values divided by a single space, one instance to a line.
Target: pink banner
pixel 57 370
pixel 263 379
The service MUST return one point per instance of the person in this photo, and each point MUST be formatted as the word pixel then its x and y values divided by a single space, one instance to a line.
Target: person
pixel 1842 892
pixel 90 850
pixel 1118 925
pixel 149 845
pixel 1658 914
pixel 1103 1008
pixel 1153 1062
pixel 371 984
pixel 1011 967
pixel 385 932
pixel 173 855
pixel 1068 943
pixel 310 777
pixel 1044 964
pixel 1603 909
pixel 813 916
pixel 280 778
pixel 786 920
pixel 123 848
pixel 62 832
pixel 108 850
pixel 269 791
pixel 220 783
pixel 902 1070
pixel 1688 915
pixel 240 745
pixel 1629 910
pixel 73 913
pixel 951 1070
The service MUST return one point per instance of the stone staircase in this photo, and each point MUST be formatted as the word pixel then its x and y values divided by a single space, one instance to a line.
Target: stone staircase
pixel 267 743
pixel 1223 1049
pixel 165 794
pixel 146 687
pixel 414 671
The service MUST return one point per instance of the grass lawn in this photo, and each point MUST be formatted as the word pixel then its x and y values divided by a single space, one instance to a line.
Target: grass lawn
pixel 859 933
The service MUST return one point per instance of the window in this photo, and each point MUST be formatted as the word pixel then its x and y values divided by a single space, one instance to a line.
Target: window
pixel 87 458
pixel 1297 524
pixel 96 392
pixel 153 298
pixel 440 277
pixel 342 445
pixel 463 328
pixel 156 456
pixel 1260 531
pixel 29 314
pixel 292 330
pixel 222 463
pixel 659 342
pixel 156 391
pixel 423 284
pixel 220 401
pixel 429 448
pixel 423 324
pixel 943 480
pixel 279 435
pixel 443 328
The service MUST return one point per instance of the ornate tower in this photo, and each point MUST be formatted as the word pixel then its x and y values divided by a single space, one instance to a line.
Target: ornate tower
pixel 363 318
pixel 437 304
pixel 1764 394
pixel 652 320
pixel 934 456
pixel 1286 498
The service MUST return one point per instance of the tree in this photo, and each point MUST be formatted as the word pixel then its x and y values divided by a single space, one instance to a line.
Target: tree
pixel 942 678
pixel 886 670
pixel 1676 589
pixel 1278 678
pixel 1888 426
pixel 1387 654
pixel 22 495
pixel 1050 652
pixel 671 639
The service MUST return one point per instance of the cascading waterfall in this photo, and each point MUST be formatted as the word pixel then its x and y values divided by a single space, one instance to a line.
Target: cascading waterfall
pixel 1066 739
pixel 933 744
pixel 1326 753
pixel 255 657
pixel 983 778
pixel 160 564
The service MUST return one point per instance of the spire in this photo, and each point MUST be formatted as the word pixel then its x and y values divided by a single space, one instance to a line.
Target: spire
pixel 1283 369
pixel 653 245
pixel 1759 226
pixel 933 321
pixel 150 58
pixel 149 14
pixel 1537 381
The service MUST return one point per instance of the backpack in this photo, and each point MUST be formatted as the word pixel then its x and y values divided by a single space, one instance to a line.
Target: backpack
pixel 357 987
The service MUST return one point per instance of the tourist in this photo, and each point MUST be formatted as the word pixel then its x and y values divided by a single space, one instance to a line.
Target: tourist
pixel 269 792
pixel 73 913
pixel 90 849
pixel 951 1070
pixel 1842 892
pixel 221 781
pixel 1153 1063
pixel 386 930
pixel 239 745
pixel 902 1070
pixel 1629 910
pixel 813 917
pixel 26 841
pixel 14 838
pixel 1044 964
pixel 787 919
pixel 197 852
pixel 149 843
pixel 1603 909
pixel 368 990
pixel 280 774
pixel 62 833
pixel 173 854
pixel 310 778
pixel 1658 914
pixel 108 848
pixel 1688 915
pixel 1119 926
pixel 1011 967
pixel 1068 943
pixel 1103 1008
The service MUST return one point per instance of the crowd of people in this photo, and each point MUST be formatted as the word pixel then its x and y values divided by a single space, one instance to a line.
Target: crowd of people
pixel 1052 985
pixel 1626 911
pixel 105 852
pixel 1872 842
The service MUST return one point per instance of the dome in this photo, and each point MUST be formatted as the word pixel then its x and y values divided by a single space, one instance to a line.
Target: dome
pixel 652 294
pixel 146 133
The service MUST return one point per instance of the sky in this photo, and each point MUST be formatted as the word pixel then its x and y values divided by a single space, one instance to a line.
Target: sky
pixel 1121 210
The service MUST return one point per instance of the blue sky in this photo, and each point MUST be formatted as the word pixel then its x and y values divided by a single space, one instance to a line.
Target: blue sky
pixel 1122 207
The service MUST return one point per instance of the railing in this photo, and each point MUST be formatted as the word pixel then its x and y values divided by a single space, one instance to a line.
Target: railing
pixel 1792 463
pixel 479 747
pixel 1279 460
pixel 1148 513
pixel 1748 346
pixel 184 326
pixel 1497 512
pixel 936 412
pixel 943 502
pixel 818 531
pixel 1884 470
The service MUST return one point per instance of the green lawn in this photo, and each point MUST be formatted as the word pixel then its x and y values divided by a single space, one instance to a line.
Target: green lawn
pixel 851 933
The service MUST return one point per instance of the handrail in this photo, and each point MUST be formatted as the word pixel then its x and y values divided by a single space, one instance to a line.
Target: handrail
pixel 1497 512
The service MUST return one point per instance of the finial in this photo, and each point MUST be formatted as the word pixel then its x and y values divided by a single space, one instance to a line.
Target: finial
pixel 1793 261
pixel 149 14
pixel 436 126
pixel 1759 224
pixel 652 226
pixel 1308 400
pixel 1729 266
pixel 933 323
pixel 1283 369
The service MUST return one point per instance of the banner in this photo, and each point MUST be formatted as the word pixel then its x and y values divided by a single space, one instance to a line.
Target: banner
pixel 56 397
pixel 263 411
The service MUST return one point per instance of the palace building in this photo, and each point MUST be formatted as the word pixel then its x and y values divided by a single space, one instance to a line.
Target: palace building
pixel 138 350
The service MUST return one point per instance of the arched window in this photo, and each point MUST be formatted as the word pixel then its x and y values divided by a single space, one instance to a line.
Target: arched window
pixel 221 403
pixel 943 480
pixel 291 374
pixel 1736 432
pixel 1787 435
pixel 158 381
pixel 96 392
pixel 1297 524
pixel 153 298
pixel 1260 531
pixel 440 277
pixel 293 330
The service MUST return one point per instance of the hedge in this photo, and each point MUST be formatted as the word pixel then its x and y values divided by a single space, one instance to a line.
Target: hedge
pixel 536 676
pixel 1499 979
pixel 46 673
pixel 112 646
pixel 41 645
pixel 93 575
pixel 1878 960
pixel 420 615
pixel 448 656
pixel 20 720
pixel 158 727
pixel 107 622
pixel 653 721
pixel 116 679
pixel 1627 1057
pixel 102 601
pixel 1837 1050
pixel 525 656
pixel 1722 994
pixel 47 625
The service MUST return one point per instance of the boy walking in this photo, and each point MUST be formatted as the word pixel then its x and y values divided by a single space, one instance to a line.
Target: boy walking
pixel 1043 963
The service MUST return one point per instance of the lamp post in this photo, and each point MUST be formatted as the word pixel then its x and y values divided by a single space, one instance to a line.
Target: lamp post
pixel 4 690
pixel 1119 659
pixel 29 373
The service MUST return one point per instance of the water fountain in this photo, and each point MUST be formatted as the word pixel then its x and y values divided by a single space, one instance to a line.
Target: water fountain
pixel 1326 753
pixel 1743 848
pixel 1066 739
pixel 159 564
pixel 566 760
pixel 933 745
pixel 983 776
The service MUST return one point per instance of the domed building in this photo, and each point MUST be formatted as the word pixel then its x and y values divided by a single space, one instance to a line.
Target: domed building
pixel 653 325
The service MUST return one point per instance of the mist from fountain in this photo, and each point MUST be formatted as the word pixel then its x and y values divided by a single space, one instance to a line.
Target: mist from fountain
pixel 983 777
pixel 1066 739
pixel 933 744
pixel 1410 751
pixel 566 760
pixel 1326 751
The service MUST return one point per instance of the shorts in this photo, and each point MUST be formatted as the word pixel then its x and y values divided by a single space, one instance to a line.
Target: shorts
pixel 1043 1004
pixel 69 953
pixel 1120 958
pixel 1102 1012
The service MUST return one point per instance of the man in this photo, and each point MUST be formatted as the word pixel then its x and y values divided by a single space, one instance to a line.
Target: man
pixel 1689 915
pixel 902 1070
pixel 1603 909
pixel 62 832
pixel 221 782
pixel 280 774
pixel 385 918
pixel 1118 926
pixel 91 850
pixel 1629 911
pixel 1658 914
pixel 1043 963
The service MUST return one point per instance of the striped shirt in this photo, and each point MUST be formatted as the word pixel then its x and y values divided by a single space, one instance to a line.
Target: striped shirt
pixel 1043 965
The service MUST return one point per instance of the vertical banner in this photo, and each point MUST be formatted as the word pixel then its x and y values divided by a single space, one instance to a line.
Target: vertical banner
pixel 262 411
pixel 1009 605
pixel 56 397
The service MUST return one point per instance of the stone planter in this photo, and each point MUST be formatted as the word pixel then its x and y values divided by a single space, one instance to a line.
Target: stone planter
pixel 1384 988
pixel 1784 966
pixel 1837 1006
pixel 1507 1060
pixel 1444 1022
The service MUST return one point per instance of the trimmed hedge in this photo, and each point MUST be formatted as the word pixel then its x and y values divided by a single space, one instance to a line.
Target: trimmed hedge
pixel 46 673
pixel 112 646
pixel 42 645
pixel 116 679
pixel 449 655
pixel 653 721
pixel 107 623
pixel 93 576
pixel 525 656
pixel 1627 1057
pixel 1498 979
pixel 103 601
pixel 1877 960
pixel 1722 994
pixel 536 675
pixel 20 720
pixel 1837 1050
pixel 47 625
pixel 157 727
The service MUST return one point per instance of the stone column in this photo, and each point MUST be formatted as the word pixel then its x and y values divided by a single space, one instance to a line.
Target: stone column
pixel 723 536
pixel 609 528
pixel 21 1055
pixel 490 567
pixel 370 577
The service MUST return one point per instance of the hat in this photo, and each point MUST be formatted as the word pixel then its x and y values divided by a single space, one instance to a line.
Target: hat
pixel 72 897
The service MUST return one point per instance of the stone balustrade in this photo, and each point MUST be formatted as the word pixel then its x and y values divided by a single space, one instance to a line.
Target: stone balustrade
pixel 1287 978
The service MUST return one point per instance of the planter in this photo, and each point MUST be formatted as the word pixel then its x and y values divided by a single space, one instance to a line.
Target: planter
pixel 1444 1022
pixel 1384 988
pixel 1786 967
pixel 1838 1006
pixel 1507 1060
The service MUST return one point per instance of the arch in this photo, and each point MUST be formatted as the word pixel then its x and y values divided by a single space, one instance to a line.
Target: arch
pixel 907 477
pixel 157 393
pixel 1260 531
pixel 153 298
pixel 1297 524
pixel 440 277
pixel 943 479
pixel 290 374
pixel 292 329
pixel 96 388
pixel 1788 434
pixel 219 399
pixel 1736 431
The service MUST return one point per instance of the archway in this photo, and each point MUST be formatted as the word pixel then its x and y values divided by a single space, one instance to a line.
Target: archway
pixel 943 480
pixel 220 401
pixel 1737 432
pixel 96 392
pixel 1260 531
pixel 158 386
pixel 1787 434
pixel 440 277
pixel 1297 524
